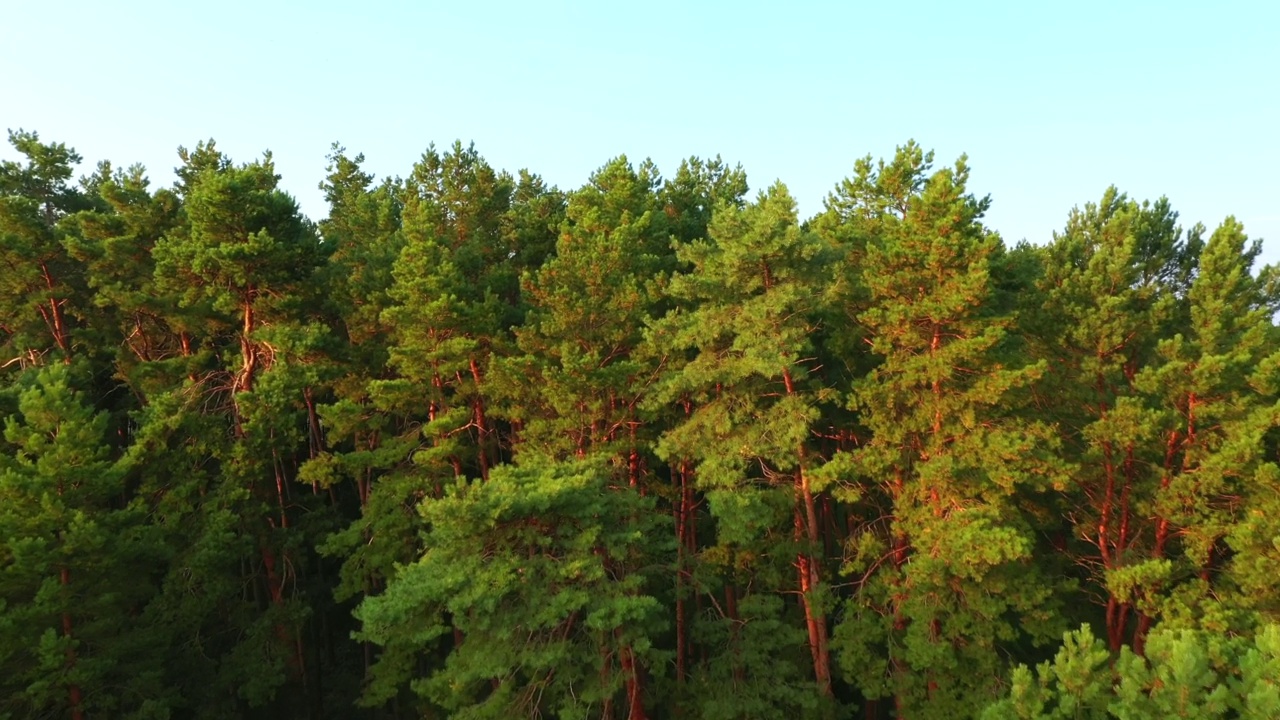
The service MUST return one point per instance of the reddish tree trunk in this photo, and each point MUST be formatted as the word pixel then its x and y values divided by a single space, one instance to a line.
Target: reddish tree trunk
pixel 634 685
pixel 482 423
pixel 275 587
pixel 683 518
pixel 248 353
pixel 807 566
pixel 815 622
pixel 56 319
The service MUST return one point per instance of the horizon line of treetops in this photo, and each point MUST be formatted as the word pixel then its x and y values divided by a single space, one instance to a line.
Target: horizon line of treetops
pixel 476 447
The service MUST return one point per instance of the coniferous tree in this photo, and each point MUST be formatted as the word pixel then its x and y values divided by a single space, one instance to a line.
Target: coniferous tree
pixel 749 293
pixel 1212 418
pixel 690 198
pixel 41 288
pixel 541 569
pixel 1114 282
pixel 114 244
pixel 241 268
pixel 943 573
pixel 572 387
pixel 1183 674
pixel 471 447
pixel 77 563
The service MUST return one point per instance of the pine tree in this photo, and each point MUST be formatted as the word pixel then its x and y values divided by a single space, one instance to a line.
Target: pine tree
pixel 450 309
pixel 77 565
pixel 572 387
pixel 41 287
pixel 363 232
pixel 1075 685
pixel 1213 421
pixel 942 569
pixel 1114 283
pixel 417 415
pixel 746 318
pixel 689 200
pixel 1185 673
pixel 244 266
pixel 114 244
pixel 245 252
pixel 541 568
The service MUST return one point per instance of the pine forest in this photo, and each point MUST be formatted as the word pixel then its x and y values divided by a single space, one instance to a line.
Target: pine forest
pixel 655 447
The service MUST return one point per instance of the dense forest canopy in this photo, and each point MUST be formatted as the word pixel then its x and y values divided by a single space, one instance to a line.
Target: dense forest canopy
pixel 656 447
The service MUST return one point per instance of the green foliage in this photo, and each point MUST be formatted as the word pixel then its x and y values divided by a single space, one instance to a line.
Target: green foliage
pixel 653 448
pixel 245 245
pixel 542 570
pixel 362 230
pixel 759 668
pixel 75 561
pixel 1075 685
pixel 1184 674
pixel 575 381
pixel 41 289
pixel 749 296
pixel 745 310
pixel 949 456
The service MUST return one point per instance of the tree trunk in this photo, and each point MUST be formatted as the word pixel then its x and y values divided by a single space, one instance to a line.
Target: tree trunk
pixel 683 518
pixel 57 319
pixel 248 353
pixel 482 423
pixel 815 620
pixel 807 566
pixel 634 685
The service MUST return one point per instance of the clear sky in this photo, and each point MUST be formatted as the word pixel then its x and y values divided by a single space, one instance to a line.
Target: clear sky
pixel 1053 101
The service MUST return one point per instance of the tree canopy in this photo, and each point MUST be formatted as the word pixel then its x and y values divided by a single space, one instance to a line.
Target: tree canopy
pixel 473 446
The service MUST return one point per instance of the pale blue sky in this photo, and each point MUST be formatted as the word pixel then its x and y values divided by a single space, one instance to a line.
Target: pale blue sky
pixel 1052 101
